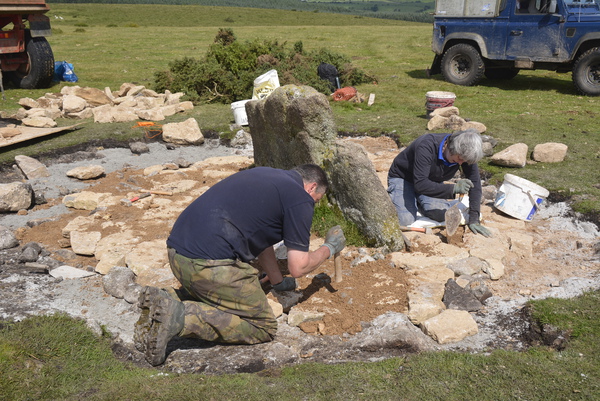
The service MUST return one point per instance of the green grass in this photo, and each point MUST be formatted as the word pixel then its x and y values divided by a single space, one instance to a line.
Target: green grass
pixel 57 358
pixel 535 107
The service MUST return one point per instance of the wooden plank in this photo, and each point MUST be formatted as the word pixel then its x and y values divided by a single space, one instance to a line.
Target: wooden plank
pixel 28 133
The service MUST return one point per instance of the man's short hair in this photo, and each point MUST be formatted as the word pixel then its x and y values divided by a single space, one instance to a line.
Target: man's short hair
pixel 313 173
pixel 467 144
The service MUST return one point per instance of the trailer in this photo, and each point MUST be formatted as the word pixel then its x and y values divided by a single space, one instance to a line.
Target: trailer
pixel 26 58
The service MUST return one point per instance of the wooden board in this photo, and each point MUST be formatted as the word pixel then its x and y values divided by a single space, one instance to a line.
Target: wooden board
pixel 28 133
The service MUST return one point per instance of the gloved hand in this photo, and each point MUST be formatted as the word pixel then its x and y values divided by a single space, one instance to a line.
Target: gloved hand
pixel 288 284
pixel 335 240
pixel 479 229
pixel 462 186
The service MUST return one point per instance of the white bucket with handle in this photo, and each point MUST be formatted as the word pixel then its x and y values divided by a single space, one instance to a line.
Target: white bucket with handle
pixel 239 112
pixel 519 198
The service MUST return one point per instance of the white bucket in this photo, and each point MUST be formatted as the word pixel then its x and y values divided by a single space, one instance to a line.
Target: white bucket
pixel 265 84
pixel 519 198
pixel 239 112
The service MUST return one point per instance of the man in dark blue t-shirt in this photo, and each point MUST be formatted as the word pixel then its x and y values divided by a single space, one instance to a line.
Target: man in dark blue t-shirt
pixel 210 246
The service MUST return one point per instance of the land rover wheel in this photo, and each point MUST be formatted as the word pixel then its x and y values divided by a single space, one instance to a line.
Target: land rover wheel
pixel 462 65
pixel 501 73
pixel 38 72
pixel 586 73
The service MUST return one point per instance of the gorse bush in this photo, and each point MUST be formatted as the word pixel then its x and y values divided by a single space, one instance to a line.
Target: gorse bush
pixel 229 68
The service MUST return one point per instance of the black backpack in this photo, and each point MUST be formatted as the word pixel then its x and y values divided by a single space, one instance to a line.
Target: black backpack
pixel 329 73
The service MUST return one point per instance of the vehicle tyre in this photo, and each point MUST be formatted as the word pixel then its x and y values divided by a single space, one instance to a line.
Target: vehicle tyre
pixel 38 72
pixel 586 73
pixel 501 73
pixel 462 65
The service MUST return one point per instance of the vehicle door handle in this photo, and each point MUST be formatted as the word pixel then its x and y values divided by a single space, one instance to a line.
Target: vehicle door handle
pixel 516 33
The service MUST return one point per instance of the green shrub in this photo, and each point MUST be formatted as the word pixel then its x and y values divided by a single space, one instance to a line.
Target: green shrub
pixel 227 72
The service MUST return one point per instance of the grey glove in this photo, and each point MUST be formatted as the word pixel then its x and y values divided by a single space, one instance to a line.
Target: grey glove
pixel 479 229
pixel 288 284
pixel 462 186
pixel 335 240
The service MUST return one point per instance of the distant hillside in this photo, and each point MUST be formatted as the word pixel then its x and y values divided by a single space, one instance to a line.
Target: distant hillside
pixel 418 11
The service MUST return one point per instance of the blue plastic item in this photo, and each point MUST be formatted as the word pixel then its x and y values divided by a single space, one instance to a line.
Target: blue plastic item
pixel 63 71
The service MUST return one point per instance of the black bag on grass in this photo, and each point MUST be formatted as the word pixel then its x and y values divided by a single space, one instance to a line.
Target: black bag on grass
pixel 329 73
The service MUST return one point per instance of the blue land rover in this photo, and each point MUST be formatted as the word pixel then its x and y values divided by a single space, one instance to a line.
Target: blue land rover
pixel 497 38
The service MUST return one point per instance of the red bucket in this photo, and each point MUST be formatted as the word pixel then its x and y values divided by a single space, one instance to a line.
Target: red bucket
pixel 438 99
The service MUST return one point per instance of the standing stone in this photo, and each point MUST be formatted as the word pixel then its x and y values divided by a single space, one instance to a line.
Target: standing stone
pixel 356 189
pixel 294 125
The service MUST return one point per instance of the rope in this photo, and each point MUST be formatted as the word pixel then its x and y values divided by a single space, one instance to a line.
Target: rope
pixel 148 126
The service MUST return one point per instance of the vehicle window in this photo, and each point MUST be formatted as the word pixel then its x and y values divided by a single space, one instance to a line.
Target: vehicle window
pixel 581 2
pixel 583 6
pixel 523 6
pixel 534 6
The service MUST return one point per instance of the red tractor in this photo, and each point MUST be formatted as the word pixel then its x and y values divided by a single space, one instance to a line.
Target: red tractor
pixel 25 55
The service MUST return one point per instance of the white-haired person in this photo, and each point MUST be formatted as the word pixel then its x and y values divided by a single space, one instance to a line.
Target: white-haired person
pixel 418 175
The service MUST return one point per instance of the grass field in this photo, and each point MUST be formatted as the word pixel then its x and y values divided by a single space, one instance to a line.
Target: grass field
pixel 112 44
pixel 57 358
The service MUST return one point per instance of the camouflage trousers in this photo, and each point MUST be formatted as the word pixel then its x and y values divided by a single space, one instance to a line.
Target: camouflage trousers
pixel 227 303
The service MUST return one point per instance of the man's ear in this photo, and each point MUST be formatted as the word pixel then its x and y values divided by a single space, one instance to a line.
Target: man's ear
pixel 310 187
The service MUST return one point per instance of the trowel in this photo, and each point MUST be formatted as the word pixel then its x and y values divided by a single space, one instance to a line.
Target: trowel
pixel 453 217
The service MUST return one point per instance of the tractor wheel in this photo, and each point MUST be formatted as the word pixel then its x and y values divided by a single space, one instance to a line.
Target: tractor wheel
pixel 462 65
pixel 586 73
pixel 501 73
pixel 39 70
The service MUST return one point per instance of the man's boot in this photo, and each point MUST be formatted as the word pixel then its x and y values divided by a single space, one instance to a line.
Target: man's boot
pixel 142 326
pixel 168 318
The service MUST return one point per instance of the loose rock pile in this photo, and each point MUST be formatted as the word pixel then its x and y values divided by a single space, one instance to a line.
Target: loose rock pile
pixel 516 155
pixel 131 102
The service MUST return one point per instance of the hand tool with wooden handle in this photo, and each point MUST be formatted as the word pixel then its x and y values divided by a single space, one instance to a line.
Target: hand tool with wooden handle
pixel 168 193
pixel 425 230
pixel 337 261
